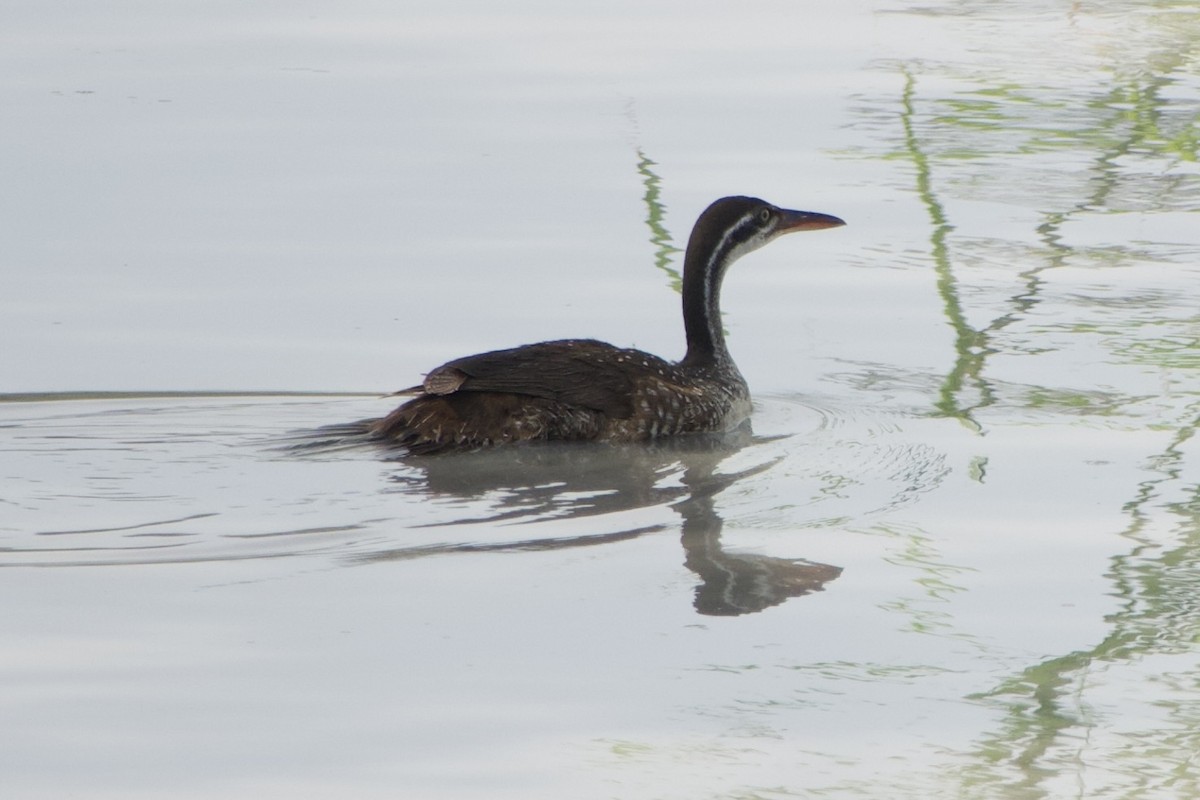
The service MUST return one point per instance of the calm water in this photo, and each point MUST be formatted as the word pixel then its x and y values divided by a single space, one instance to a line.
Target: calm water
pixel 957 556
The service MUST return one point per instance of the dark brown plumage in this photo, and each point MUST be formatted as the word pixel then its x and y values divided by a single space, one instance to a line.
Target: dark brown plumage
pixel 583 389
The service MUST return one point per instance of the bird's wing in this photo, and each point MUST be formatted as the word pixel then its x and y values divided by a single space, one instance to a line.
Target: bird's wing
pixel 580 372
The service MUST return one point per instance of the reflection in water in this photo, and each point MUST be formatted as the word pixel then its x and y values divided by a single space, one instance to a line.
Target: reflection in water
pixel 1048 706
pixel 1077 154
pixel 561 481
pixel 970 345
pixel 1126 136
pixel 732 583
pixel 660 237
pixel 192 480
pixel 1160 616
pixel 1037 174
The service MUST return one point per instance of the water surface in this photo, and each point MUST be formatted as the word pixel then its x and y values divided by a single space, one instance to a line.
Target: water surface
pixel 956 555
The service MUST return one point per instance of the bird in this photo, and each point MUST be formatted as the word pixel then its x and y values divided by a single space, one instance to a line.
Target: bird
pixel 588 390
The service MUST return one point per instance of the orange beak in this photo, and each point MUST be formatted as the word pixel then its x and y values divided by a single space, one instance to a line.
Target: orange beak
pixel 806 221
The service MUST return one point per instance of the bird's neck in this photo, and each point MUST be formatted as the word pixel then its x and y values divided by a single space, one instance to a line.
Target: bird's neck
pixel 704 266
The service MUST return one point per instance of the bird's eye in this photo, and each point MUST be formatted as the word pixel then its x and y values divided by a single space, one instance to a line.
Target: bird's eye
pixel 764 216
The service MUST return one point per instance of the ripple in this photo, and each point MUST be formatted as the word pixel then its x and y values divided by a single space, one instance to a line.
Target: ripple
pixel 855 461
pixel 170 479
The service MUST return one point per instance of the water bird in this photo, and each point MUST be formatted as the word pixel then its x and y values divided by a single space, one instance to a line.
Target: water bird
pixel 583 389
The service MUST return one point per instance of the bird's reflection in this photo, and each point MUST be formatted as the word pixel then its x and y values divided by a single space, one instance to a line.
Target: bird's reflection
pixel 537 483
pixel 734 583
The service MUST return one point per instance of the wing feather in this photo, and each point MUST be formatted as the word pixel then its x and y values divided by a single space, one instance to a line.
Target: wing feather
pixel 580 372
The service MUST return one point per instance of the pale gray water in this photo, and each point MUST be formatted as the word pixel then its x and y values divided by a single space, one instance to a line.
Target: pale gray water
pixel 957 557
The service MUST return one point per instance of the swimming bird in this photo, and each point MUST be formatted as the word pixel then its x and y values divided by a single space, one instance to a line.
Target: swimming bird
pixel 583 389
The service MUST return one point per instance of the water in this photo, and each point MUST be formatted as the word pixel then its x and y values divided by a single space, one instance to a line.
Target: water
pixel 957 555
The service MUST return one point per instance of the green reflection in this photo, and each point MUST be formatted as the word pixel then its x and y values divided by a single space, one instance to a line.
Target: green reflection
pixel 1079 153
pixel 1129 122
pixel 970 345
pixel 930 610
pixel 660 237
pixel 1046 708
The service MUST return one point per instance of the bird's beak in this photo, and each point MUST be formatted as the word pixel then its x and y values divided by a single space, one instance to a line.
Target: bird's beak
pixel 790 221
